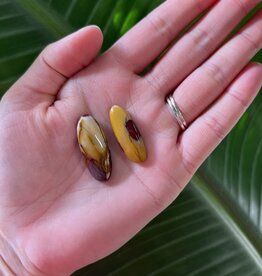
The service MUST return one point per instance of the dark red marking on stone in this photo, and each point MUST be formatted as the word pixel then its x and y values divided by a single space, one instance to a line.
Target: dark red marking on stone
pixel 133 130
pixel 96 171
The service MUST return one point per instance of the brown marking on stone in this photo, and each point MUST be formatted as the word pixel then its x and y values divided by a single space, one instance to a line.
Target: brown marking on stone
pixel 96 170
pixel 133 130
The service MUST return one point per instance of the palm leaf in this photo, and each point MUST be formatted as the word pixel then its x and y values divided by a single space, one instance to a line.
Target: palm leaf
pixel 215 226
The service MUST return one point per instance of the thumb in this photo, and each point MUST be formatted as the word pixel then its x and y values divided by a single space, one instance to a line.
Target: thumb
pixel 55 64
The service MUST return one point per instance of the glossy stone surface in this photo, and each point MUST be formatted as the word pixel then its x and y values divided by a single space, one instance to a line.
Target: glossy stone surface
pixel 127 134
pixel 93 144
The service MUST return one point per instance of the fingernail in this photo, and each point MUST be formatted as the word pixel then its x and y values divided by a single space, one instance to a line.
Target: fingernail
pixel 127 134
pixel 93 144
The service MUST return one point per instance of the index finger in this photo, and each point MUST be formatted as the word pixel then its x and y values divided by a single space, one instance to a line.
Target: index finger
pixel 143 43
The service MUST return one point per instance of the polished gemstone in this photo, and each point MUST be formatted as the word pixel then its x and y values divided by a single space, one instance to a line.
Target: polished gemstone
pixel 127 134
pixel 93 144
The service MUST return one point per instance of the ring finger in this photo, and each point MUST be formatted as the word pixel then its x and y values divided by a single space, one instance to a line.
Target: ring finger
pixel 209 80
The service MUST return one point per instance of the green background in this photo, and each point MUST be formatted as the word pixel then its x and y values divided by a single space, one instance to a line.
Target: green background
pixel 215 225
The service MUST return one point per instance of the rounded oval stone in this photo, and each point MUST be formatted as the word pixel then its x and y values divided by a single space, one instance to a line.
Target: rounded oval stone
pixel 127 134
pixel 94 146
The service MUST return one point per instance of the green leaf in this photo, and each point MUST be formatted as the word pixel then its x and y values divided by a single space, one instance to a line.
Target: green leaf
pixel 215 226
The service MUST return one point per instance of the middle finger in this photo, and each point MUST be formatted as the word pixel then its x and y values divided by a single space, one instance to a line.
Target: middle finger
pixel 198 44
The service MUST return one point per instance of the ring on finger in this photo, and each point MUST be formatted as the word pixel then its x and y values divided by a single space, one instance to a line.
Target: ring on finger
pixel 176 112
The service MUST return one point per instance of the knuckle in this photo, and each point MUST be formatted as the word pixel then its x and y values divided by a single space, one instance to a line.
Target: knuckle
pixel 201 38
pixel 248 39
pixel 44 55
pixel 200 5
pixel 238 98
pixel 119 56
pixel 215 72
pixel 159 81
pixel 215 126
pixel 242 6
pixel 161 26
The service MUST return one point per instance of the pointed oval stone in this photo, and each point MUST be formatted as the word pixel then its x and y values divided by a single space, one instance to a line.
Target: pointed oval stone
pixel 127 134
pixel 93 144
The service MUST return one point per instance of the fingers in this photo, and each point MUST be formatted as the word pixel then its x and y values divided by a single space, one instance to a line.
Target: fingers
pixel 207 82
pixel 201 138
pixel 142 44
pixel 198 44
pixel 57 62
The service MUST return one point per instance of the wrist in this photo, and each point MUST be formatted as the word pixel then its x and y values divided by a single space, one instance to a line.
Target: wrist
pixel 14 262
pixel 4 268
pixel 9 261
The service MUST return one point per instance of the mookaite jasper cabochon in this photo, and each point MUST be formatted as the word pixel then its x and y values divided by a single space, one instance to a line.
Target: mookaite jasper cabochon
pixel 93 144
pixel 127 134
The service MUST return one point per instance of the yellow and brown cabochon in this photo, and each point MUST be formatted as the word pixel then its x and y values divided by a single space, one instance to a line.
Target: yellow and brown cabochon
pixel 93 144
pixel 127 134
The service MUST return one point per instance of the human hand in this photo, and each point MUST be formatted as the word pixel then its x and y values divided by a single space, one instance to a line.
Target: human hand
pixel 54 216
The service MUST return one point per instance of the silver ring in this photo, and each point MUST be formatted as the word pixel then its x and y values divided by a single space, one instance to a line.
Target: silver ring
pixel 177 112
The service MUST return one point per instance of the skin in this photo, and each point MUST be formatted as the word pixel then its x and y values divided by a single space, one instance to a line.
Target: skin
pixel 54 217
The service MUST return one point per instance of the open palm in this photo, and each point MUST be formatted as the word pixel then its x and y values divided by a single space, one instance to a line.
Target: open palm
pixel 55 218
